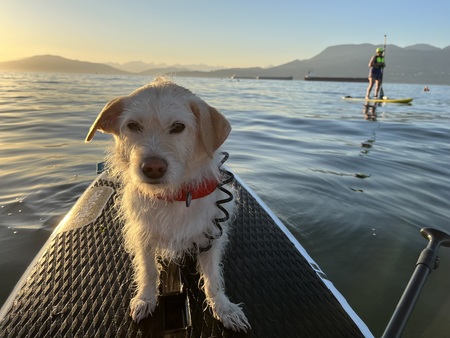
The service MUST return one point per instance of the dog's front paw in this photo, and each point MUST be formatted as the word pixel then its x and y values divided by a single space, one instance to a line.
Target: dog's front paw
pixel 231 315
pixel 141 308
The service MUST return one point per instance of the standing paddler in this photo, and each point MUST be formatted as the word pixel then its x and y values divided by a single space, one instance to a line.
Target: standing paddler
pixel 376 65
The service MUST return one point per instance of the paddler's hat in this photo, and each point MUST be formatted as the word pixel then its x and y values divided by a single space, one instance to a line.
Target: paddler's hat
pixel 380 50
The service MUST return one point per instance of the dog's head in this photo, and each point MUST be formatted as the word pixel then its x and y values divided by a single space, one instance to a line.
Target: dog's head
pixel 162 125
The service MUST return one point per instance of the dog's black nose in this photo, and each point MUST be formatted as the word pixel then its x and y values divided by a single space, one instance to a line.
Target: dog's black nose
pixel 154 167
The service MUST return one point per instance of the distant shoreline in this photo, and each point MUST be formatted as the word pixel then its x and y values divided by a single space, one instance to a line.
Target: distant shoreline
pixel 335 79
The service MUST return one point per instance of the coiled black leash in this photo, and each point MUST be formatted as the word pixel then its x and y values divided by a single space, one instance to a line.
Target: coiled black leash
pixel 226 178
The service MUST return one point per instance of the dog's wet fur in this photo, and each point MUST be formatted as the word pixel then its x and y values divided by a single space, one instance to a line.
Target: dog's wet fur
pixel 167 140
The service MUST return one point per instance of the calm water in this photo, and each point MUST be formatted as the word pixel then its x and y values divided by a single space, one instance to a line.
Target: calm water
pixel 355 190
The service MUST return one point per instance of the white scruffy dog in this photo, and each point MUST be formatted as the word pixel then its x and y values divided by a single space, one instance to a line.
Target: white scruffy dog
pixel 166 152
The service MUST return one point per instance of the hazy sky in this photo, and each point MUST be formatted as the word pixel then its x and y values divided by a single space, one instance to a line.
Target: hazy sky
pixel 227 33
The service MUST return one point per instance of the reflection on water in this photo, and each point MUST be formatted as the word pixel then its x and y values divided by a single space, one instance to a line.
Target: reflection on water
pixel 370 111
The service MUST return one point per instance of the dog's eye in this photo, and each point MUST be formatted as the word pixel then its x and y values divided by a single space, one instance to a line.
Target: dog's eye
pixel 177 128
pixel 134 127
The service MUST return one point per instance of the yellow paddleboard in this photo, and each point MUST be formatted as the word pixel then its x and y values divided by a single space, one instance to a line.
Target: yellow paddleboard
pixel 381 100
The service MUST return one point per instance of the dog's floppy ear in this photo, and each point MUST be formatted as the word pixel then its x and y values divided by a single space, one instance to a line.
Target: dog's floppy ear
pixel 213 127
pixel 107 120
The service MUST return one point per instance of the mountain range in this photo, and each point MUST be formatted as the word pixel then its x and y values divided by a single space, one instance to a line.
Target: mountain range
pixel 421 63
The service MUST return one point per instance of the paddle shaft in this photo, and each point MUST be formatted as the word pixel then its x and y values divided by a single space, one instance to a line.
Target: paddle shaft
pixel 382 70
pixel 427 262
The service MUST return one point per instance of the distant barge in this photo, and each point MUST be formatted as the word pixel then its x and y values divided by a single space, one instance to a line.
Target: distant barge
pixel 335 79
pixel 263 77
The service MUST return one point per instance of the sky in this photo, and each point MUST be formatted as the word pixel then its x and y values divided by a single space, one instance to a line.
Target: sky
pixel 231 33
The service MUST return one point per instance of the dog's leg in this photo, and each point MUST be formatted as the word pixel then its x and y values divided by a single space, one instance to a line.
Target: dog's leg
pixel 147 279
pixel 231 315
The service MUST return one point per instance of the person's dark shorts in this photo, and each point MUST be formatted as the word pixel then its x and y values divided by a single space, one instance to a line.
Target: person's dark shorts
pixel 376 74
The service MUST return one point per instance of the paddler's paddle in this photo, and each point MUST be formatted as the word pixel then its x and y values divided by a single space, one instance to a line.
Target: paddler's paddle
pixel 427 262
pixel 382 69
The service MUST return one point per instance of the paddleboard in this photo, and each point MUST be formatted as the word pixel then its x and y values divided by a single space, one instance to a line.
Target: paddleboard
pixel 80 284
pixel 381 100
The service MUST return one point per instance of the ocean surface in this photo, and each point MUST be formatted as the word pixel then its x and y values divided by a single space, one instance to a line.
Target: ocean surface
pixel 353 185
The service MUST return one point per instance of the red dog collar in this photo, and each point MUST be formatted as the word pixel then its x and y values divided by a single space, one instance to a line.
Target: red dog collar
pixel 188 193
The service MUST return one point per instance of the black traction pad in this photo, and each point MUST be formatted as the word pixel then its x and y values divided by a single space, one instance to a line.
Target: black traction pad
pixel 81 286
